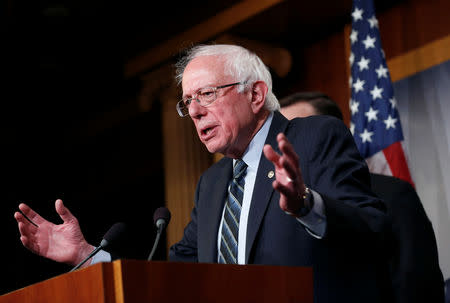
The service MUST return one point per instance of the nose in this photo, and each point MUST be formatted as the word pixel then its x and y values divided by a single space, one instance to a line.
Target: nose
pixel 196 110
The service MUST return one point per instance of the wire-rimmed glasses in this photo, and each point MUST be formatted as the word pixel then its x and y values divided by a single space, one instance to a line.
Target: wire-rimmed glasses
pixel 204 97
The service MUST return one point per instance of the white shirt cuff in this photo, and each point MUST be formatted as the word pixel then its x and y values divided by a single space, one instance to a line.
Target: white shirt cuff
pixel 315 221
pixel 101 256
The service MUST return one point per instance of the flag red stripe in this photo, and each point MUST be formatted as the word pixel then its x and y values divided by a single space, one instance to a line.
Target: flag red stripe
pixel 396 159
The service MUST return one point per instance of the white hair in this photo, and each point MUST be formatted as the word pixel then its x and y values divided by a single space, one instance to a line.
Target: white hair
pixel 240 63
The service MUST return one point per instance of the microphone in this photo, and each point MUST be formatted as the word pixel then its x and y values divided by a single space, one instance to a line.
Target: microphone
pixel 113 235
pixel 161 218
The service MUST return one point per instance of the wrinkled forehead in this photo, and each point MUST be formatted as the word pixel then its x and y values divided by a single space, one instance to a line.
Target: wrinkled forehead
pixel 204 71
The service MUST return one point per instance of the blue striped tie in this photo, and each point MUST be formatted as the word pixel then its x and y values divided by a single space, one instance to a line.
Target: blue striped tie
pixel 230 226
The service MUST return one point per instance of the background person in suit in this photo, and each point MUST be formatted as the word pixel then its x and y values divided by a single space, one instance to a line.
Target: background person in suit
pixel 302 197
pixel 414 265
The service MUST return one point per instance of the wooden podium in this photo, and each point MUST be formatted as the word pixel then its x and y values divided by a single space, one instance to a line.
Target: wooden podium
pixel 131 281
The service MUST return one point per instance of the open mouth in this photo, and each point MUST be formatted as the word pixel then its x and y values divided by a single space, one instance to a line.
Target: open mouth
pixel 206 131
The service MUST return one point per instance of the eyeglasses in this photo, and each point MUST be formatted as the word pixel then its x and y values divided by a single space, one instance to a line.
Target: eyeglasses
pixel 204 97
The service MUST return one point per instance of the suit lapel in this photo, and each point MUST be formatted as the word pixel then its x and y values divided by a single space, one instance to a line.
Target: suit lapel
pixel 263 190
pixel 216 193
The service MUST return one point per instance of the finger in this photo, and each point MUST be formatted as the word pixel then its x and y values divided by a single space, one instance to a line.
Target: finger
pixel 289 168
pixel 289 200
pixel 28 236
pixel 26 218
pixel 284 189
pixel 24 241
pixel 285 206
pixel 29 244
pixel 286 146
pixel 290 159
pixel 271 155
pixel 287 149
pixel 20 218
pixel 27 229
pixel 295 174
pixel 31 214
pixel 63 211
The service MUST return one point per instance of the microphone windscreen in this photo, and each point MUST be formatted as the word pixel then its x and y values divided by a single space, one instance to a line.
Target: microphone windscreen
pixel 161 213
pixel 115 234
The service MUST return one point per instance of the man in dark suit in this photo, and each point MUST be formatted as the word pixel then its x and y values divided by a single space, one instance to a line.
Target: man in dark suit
pixel 290 193
pixel 338 225
pixel 414 266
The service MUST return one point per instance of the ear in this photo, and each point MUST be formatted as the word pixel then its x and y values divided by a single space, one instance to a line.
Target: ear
pixel 259 92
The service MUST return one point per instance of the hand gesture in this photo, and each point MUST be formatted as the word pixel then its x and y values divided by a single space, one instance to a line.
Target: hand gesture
pixel 59 242
pixel 289 180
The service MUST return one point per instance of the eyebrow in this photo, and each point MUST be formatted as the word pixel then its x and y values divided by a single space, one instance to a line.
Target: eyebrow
pixel 186 96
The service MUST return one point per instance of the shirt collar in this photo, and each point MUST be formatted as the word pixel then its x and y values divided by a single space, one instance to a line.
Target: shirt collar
pixel 253 152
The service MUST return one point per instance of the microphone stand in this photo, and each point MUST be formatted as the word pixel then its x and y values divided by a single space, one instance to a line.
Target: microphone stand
pixel 155 244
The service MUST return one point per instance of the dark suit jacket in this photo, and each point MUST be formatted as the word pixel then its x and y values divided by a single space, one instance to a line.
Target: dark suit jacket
pixel 348 264
pixel 414 265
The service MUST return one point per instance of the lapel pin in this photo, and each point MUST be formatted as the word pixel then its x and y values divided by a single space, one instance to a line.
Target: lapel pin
pixel 270 174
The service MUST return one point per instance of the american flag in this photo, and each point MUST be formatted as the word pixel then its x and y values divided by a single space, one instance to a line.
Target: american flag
pixel 375 121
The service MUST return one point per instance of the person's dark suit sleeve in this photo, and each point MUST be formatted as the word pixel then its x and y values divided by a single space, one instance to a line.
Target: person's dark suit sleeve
pixel 186 249
pixel 415 271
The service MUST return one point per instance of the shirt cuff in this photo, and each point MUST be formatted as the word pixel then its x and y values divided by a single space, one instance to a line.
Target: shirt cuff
pixel 101 256
pixel 315 221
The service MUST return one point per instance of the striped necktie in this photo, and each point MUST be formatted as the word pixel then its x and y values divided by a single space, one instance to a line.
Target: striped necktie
pixel 230 226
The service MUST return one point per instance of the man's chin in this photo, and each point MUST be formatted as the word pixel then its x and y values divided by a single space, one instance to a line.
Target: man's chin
pixel 213 148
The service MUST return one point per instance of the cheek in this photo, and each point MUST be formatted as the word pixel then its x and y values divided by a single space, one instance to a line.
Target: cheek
pixel 232 119
pixel 229 124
